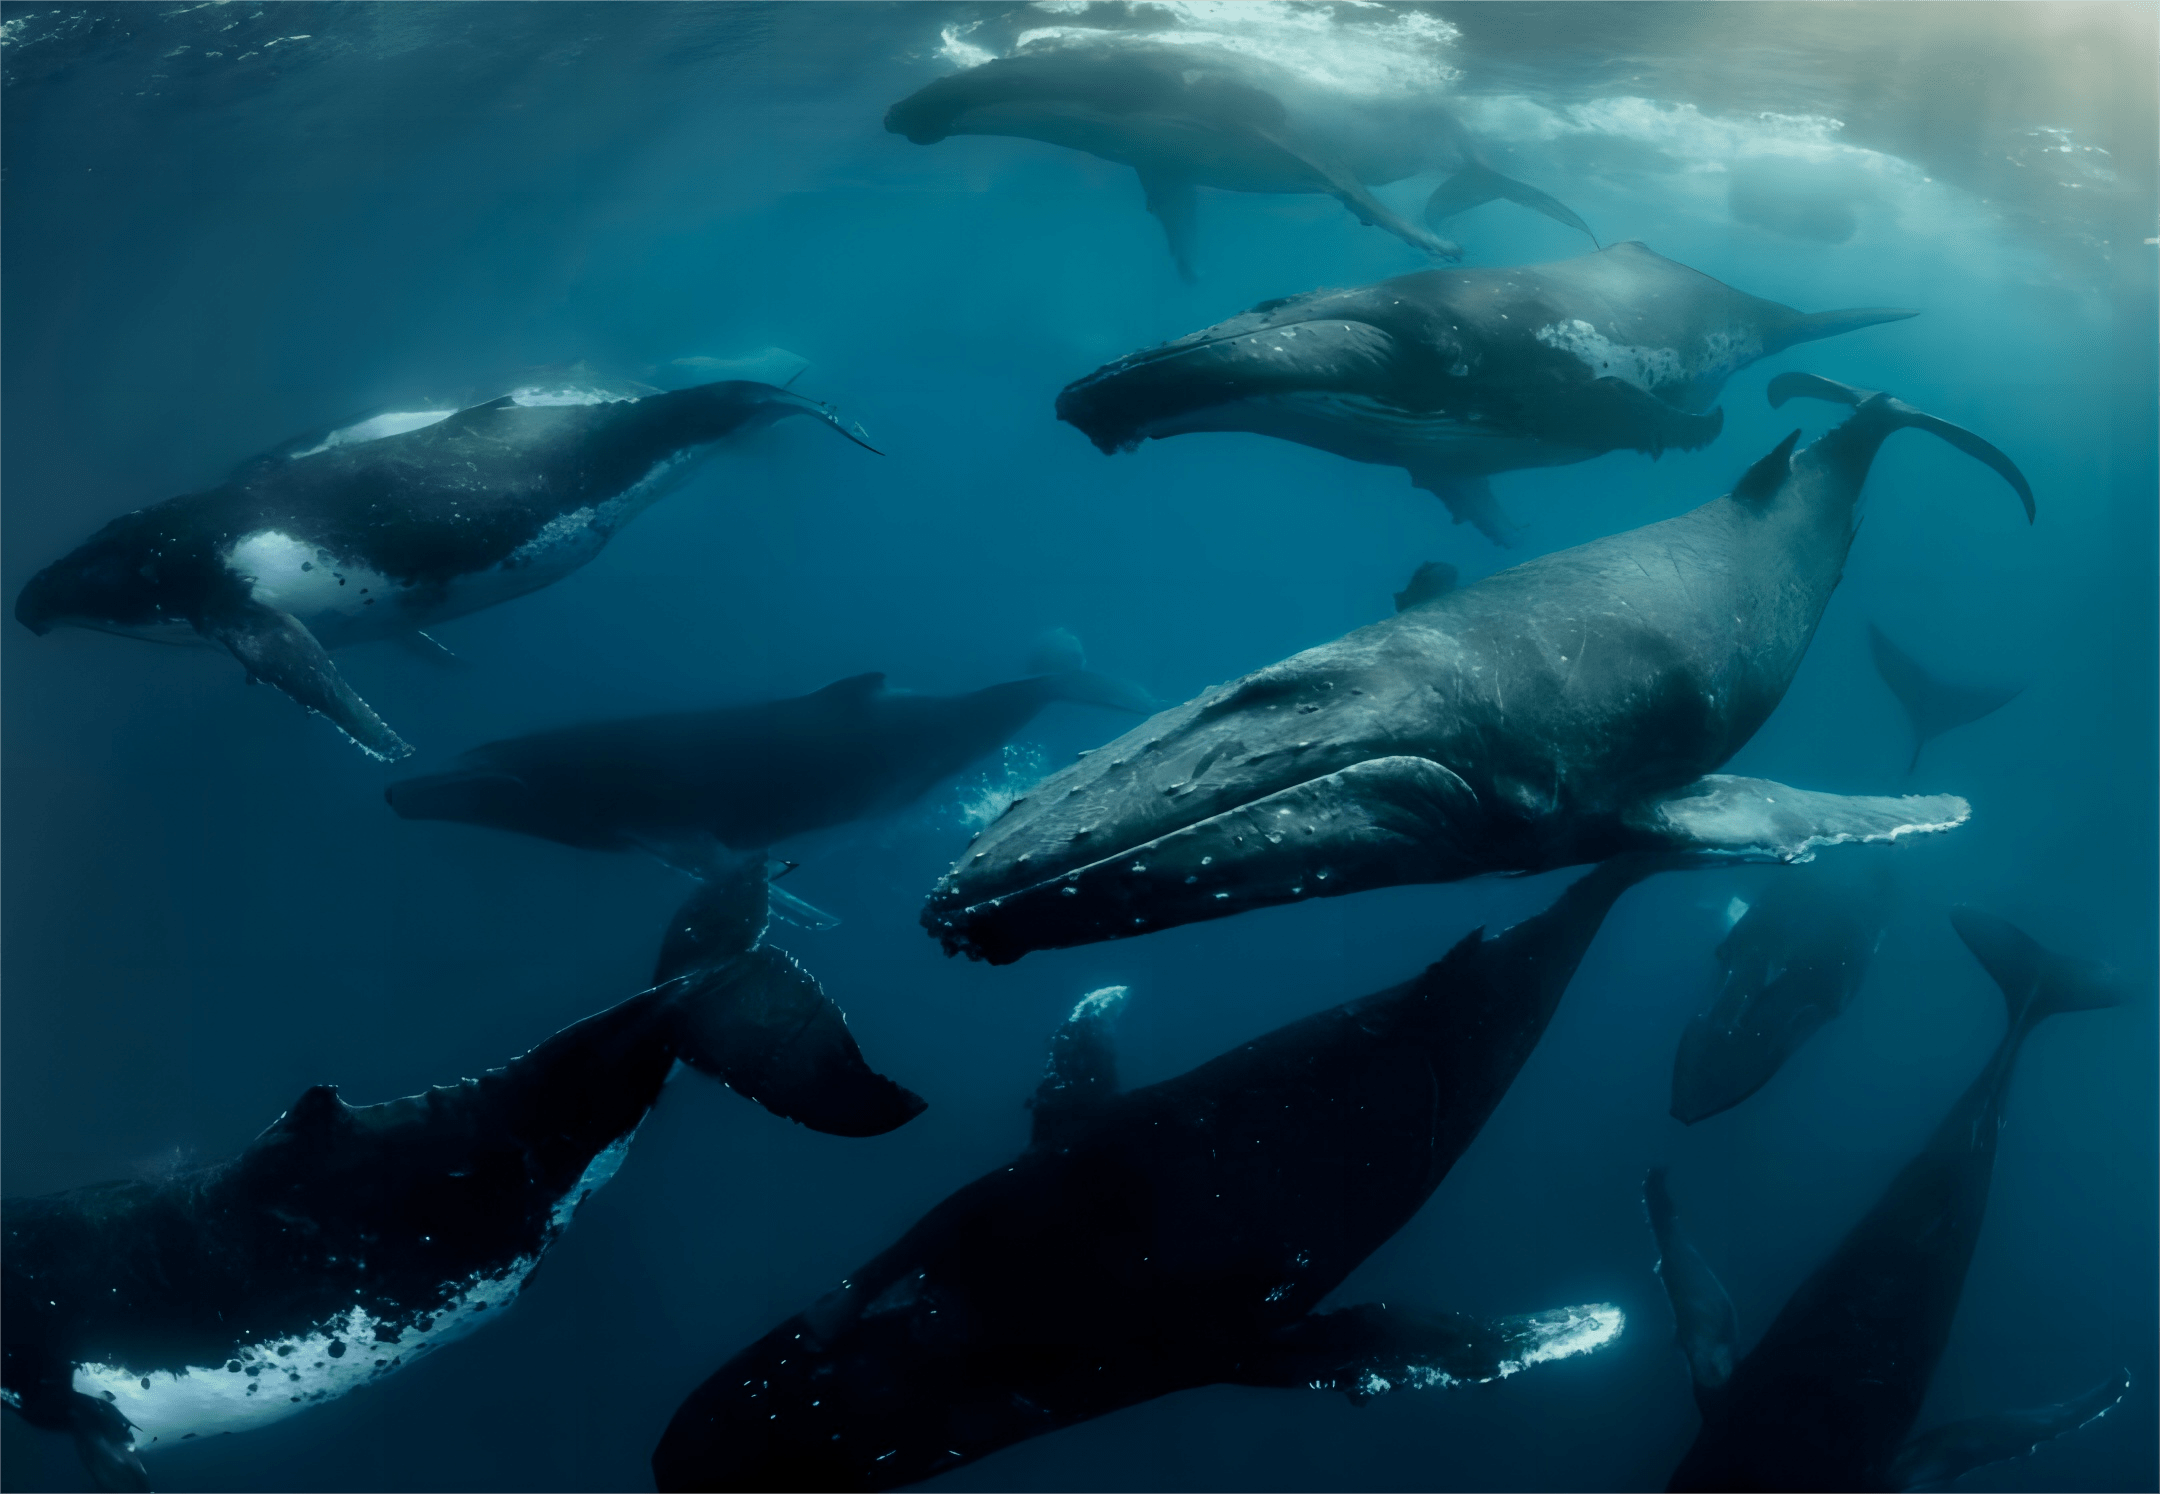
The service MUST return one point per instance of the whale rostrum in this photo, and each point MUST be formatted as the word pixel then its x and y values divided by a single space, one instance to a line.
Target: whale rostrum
pixel 1454 375
pixel 1560 712
pixel 383 528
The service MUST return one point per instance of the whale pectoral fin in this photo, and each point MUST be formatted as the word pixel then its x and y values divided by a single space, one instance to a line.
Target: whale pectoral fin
pixel 1372 1348
pixel 275 646
pixel 105 1439
pixel 762 1026
pixel 1173 201
pixel 1082 1071
pixel 1936 1458
pixel 1469 497
pixel 1610 414
pixel 1478 183
pixel 1371 211
pixel 1754 819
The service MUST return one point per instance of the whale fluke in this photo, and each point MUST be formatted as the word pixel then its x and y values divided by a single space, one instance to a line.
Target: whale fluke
pixel 1703 1313
pixel 1900 415
pixel 2036 982
pixel 761 1024
pixel 1933 706
pixel 1934 1459
pixel 1478 183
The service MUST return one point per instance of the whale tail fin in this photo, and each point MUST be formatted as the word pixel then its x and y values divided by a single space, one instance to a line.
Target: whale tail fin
pixel 1703 1315
pixel 1934 1459
pixel 1893 414
pixel 1478 183
pixel 1933 706
pixel 1814 326
pixel 2036 982
pixel 750 1017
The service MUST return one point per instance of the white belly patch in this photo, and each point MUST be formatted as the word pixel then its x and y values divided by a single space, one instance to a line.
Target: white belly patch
pixel 269 1381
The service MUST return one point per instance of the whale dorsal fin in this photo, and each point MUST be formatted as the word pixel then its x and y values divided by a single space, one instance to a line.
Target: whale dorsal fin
pixel 1933 1459
pixel 1082 1071
pixel 1760 483
pixel 855 686
pixel 1435 578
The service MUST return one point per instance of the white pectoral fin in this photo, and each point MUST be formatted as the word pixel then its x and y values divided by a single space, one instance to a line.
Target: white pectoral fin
pixel 1754 819
pixel 277 647
pixel 1933 1459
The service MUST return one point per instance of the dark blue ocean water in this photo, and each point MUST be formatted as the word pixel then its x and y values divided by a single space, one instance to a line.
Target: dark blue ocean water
pixel 228 224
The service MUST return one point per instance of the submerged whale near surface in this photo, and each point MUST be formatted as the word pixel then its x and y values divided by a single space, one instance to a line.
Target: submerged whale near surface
pixel 1169 1237
pixel 1454 375
pixel 345 1241
pixel 1826 1400
pixel 382 529
pixel 1185 117
pixel 1565 710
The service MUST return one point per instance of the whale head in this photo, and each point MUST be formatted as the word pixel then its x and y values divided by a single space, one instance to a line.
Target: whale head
pixel 112 583
pixel 1329 354
pixel 1296 782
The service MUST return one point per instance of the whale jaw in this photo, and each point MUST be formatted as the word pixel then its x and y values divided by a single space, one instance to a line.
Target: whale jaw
pixel 1378 823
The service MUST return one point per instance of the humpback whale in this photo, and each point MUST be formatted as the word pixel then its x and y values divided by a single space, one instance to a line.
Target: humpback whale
pixel 1828 1397
pixel 386 527
pixel 1169 1237
pixel 1185 117
pixel 1794 961
pixel 1454 375
pixel 1933 706
pixel 1560 712
pixel 347 1241
pixel 684 785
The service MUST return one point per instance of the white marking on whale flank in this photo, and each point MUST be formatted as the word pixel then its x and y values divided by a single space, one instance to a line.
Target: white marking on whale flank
pixel 304 580
pixel 375 429
pixel 269 1380
pixel 1651 368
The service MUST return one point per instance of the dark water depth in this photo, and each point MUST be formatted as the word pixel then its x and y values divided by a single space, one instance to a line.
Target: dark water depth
pixel 227 224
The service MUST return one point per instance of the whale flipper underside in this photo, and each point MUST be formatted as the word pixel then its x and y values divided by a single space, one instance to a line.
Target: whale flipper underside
pixel 277 647
pixel 105 1440
pixel 1757 820
pixel 1372 1348
pixel 1478 183
pixel 761 1024
pixel 1935 1459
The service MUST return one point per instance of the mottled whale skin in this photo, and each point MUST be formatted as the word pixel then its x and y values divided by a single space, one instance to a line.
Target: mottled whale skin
pixel 1187 116
pixel 1454 375
pixel 346 1241
pixel 1793 962
pixel 1828 1397
pixel 1174 1236
pixel 743 777
pixel 1560 712
pixel 385 528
